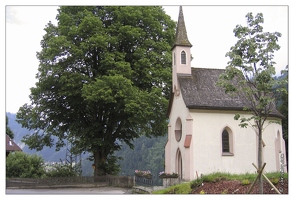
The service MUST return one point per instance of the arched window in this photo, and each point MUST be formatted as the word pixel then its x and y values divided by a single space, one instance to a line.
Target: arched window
pixel 227 142
pixel 179 164
pixel 183 57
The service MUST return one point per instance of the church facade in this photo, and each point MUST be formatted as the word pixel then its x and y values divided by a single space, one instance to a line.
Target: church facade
pixel 203 136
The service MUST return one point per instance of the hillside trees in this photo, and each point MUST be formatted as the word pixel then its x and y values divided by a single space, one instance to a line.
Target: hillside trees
pixel 104 77
pixel 252 65
pixel 148 154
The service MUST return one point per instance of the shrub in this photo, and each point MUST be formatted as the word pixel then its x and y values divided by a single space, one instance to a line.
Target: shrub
pixel 202 192
pixel 245 182
pixel 275 181
pixel 225 191
pixel 62 170
pixel 22 165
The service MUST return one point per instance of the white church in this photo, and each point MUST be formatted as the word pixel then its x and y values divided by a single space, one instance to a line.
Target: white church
pixel 203 136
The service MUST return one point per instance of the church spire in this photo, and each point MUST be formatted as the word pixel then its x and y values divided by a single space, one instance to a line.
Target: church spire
pixel 181 34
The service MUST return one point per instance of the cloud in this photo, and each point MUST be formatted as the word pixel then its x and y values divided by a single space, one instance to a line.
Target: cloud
pixel 12 16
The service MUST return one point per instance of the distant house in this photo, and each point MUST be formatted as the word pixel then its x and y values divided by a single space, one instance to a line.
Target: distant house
pixel 11 146
pixel 203 136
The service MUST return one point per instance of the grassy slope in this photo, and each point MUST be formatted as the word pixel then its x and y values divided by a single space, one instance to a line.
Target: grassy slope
pixel 186 188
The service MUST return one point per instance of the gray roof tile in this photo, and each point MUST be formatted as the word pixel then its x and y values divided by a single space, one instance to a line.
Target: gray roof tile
pixel 200 91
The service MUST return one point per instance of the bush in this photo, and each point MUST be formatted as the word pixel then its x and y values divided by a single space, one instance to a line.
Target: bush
pixel 274 181
pixel 62 170
pixel 22 165
pixel 202 192
pixel 245 182
pixel 225 191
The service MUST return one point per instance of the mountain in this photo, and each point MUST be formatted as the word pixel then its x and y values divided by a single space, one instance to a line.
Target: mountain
pixel 48 154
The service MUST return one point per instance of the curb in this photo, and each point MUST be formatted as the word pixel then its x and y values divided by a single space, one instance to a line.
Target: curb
pixel 60 186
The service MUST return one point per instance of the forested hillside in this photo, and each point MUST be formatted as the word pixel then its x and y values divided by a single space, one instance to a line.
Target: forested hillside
pixel 148 153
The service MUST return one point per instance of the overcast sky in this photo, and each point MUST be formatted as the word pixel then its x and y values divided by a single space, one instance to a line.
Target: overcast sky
pixel 209 28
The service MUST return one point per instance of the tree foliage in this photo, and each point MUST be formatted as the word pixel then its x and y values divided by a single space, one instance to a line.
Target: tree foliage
pixel 251 65
pixel 104 77
pixel 9 132
pixel 22 165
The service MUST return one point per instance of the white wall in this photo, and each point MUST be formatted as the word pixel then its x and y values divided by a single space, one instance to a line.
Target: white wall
pixel 208 156
pixel 178 110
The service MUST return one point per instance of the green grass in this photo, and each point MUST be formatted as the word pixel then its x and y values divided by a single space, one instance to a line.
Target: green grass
pixel 214 177
pixel 186 188
pixel 183 188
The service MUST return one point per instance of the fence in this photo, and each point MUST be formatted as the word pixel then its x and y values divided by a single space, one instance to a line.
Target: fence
pixel 143 181
pixel 156 181
pixel 118 181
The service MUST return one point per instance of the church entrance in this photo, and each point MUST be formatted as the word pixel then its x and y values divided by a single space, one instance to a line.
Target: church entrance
pixel 179 164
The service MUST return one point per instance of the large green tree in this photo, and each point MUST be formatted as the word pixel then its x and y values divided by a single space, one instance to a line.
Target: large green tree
pixel 252 65
pixel 104 76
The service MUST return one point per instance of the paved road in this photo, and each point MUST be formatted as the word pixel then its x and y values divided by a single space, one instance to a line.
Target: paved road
pixel 69 191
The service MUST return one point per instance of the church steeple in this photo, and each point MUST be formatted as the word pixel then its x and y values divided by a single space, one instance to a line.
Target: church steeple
pixel 181 52
pixel 181 34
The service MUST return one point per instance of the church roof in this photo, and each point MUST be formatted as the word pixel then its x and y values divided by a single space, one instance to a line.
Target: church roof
pixel 200 91
pixel 181 33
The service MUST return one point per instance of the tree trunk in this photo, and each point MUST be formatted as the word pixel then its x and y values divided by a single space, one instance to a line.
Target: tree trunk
pixel 260 146
pixel 98 159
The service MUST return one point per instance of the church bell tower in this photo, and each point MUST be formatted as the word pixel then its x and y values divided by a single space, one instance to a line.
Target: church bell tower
pixel 181 53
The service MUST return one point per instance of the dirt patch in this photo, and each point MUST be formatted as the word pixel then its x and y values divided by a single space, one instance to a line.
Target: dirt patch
pixel 236 187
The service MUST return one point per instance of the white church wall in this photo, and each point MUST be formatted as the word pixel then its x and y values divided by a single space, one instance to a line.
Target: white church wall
pixel 271 151
pixel 178 110
pixel 208 156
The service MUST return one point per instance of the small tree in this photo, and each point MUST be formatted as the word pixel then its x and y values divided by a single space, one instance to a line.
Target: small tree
pixel 22 165
pixel 251 64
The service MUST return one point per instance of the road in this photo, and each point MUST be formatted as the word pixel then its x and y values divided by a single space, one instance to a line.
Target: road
pixel 69 191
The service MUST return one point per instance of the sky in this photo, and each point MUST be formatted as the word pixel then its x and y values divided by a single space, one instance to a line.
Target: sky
pixel 209 29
